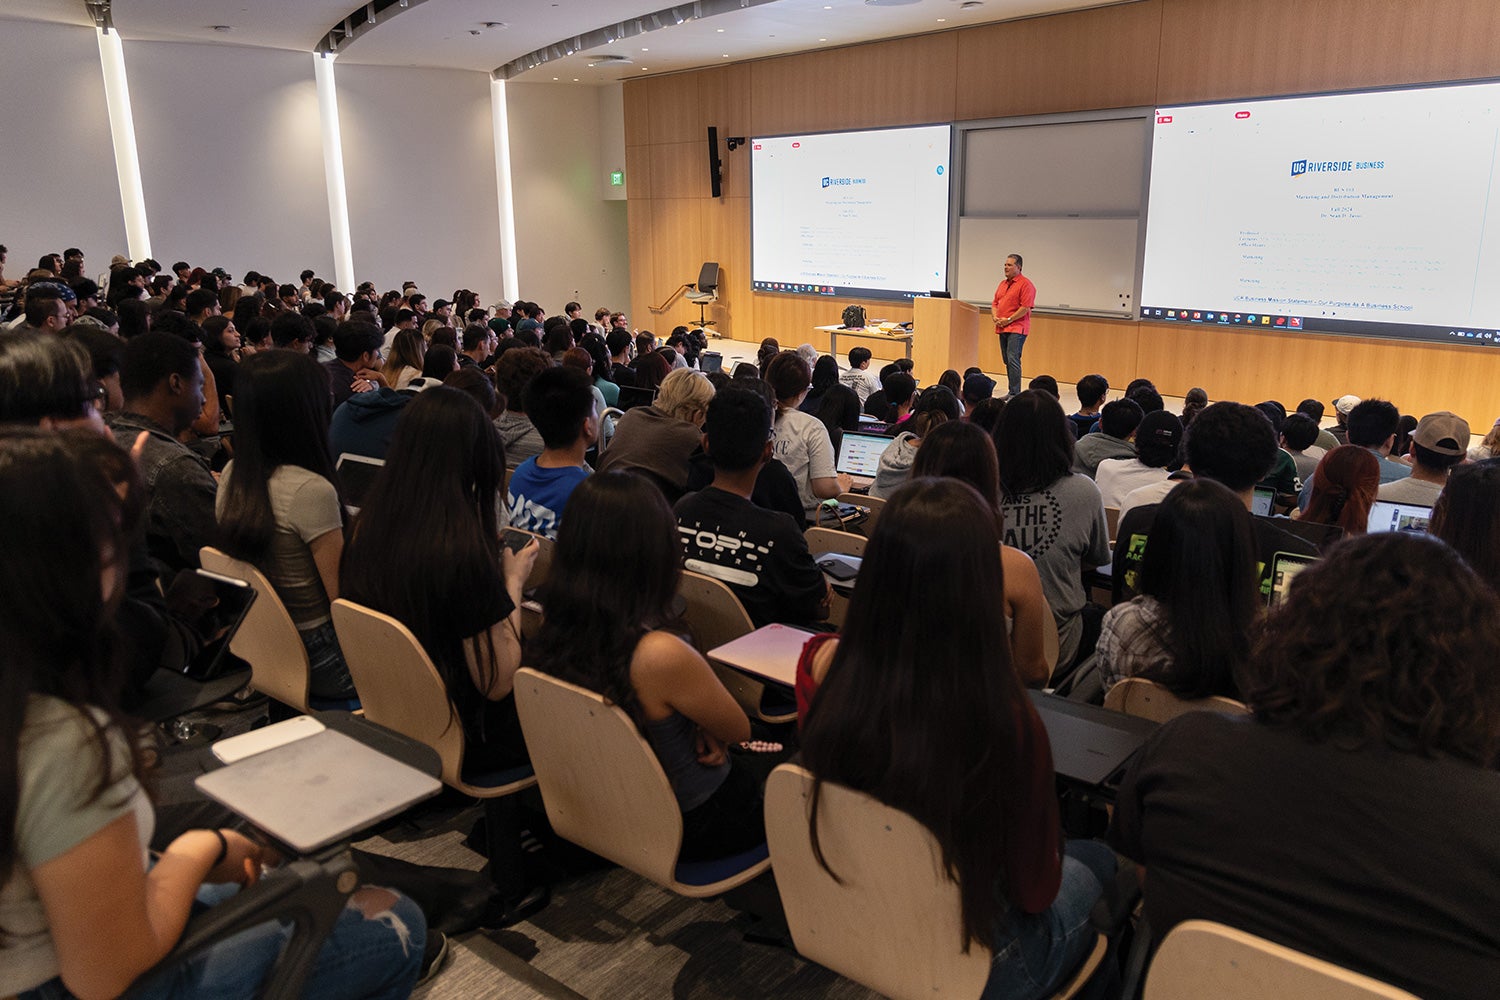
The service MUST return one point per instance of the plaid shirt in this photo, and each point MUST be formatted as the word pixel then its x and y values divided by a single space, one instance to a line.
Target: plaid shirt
pixel 1131 640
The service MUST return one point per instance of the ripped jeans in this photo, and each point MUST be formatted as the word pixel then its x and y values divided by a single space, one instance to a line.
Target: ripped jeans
pixel 375 957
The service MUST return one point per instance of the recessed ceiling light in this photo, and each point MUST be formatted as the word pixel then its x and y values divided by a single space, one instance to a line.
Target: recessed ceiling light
pixel 554 79
pixel 822 39
pixel 575 79
pixel 644 49
pixel 591 65
pixel 726 55
pixel 941 20
pixel 719 30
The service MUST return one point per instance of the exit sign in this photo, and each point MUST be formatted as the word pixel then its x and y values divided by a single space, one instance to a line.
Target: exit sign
pixel 617 178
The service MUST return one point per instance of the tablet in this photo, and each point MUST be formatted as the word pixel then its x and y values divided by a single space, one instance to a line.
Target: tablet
pixel 1388 516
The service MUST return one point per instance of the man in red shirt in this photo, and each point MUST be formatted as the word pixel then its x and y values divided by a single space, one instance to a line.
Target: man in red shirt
pixel 1012 312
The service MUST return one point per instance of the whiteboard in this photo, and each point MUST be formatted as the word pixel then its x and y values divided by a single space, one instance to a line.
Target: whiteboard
pixel 1077 265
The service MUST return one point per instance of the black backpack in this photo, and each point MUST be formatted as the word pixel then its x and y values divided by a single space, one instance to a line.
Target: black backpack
pixel 854 317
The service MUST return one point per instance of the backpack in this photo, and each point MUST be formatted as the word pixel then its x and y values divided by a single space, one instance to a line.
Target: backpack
pixel 854 317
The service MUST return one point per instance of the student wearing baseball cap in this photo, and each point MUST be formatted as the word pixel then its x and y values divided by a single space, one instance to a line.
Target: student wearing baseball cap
pixel 1440 442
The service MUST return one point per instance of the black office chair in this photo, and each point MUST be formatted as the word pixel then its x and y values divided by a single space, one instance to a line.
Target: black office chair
pixel 705 291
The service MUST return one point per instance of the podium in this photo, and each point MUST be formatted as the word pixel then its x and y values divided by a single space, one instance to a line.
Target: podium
pixel 947 334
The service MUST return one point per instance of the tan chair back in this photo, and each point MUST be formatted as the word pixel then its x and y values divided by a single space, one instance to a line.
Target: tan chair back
pixel 894 924
pixel 268 639
pixel 821 541
pixel 873 504
pixel 399 687
pixel 1112 519
pixel 1149 700
pixel 713 611
pixel 1051 646
pixel 600 780
pixel 1200 958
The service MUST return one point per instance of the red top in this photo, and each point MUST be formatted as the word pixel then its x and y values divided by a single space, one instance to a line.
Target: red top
pixel 1012 294
pixel 1033 863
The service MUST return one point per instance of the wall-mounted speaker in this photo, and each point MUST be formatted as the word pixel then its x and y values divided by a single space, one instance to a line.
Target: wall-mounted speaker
pixel 715 177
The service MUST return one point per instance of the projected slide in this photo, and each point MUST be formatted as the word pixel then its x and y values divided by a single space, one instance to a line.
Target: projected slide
pixel 851 213
pixel 1372 213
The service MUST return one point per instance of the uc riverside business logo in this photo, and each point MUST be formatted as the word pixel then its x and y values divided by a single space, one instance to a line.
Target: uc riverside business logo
pixel 1300 167
pixel 842 181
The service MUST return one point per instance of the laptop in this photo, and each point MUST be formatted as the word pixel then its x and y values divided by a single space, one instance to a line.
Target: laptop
pixel 770 652
pixel 632 396
pixel 1388 516
pixel 226 602
pixel 318 790
pixel 1090 745
pixel 1264 503
pixel 841 570
pixel 859 456
pixel 1285 566
pixel 357 474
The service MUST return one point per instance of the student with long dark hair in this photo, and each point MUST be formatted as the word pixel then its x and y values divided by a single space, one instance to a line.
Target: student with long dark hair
pixel 1191 626
pixel 426 551
pixel 278 504
pixel 931 719
pixel 1467 517
pixel 608 599
pixel 1354 816
pixel 935 407
pixel 960 450
pixel 832 402
pixel 1052 514
pixel 84 915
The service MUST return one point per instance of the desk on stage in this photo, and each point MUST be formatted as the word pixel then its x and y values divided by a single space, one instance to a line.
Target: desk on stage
pixel 864 333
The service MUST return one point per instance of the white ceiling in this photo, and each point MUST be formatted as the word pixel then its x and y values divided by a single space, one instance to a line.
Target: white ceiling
pixel 442 32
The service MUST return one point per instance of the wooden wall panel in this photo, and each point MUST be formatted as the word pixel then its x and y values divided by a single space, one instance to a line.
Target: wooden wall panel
pixel 676 111
pixel 1252 366
pixel 637 113
pixel 680 170
pixel 1067 348
pixel 904 81
pixel 1221 49
pixel 641 234
pixel 724 95
pixel 726 239
pixel 637 172
pixel 1103 58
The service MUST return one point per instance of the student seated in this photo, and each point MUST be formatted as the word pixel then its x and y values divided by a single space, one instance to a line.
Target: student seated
pixel 1353 818
pixel 1117 423
pixel 1344 488
pixel 85 915
pixel 962 450
pixel 279 506
pixel 658 439
pixel 858 375
pixel 1372 425
pixel 801 441
pixel 898 714
pixel 720 525
pixel 1190 627
pixel 513 372
pixel 1299 435
pixel 1053 514
pixel 936 406
pixel 1467 517
pixel 560 402
pixel 425 551
pixel 837 405
pixel 1092 390
pixel 1439 443
pixel 608 599
pixel 1158 442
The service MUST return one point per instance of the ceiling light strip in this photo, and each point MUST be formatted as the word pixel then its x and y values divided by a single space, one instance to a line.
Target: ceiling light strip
pixel 122 134
pixel 364 18
pixel 666 17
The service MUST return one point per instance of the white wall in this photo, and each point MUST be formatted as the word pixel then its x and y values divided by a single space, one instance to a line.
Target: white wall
pixel 419 164
pixel 571 242
pixel 231 158
pixel 58 186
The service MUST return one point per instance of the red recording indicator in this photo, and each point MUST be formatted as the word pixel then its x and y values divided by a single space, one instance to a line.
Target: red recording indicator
pixel 796 145
pixel 757 145
pixel 1163 119
pixel 1242 114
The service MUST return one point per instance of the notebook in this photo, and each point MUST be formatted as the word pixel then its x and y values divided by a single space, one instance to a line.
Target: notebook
pixel 1388 516
pixel 859 456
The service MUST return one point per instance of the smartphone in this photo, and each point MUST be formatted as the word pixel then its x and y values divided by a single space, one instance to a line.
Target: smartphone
pixel 514 539
pixel 841 568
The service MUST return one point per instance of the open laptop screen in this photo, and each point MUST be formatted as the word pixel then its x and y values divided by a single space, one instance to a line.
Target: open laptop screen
pixel 1264 502
pixel 859 454
pixel 1388 516
pixel 357 474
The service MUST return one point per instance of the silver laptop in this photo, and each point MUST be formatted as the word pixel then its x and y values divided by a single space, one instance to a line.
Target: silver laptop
pixel 859 456
pixel 1388 516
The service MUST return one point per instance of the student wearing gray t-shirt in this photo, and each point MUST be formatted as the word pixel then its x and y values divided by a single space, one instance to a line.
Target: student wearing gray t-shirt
pixel 1053 515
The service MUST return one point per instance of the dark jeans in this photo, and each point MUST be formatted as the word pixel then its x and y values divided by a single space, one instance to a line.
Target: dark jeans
pixel 732 820
pixel 1011 345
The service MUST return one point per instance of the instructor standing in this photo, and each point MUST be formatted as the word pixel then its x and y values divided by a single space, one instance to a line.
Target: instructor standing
pixel 1012 312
